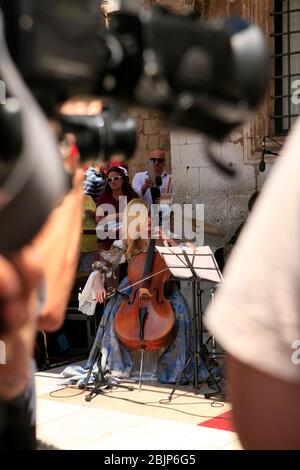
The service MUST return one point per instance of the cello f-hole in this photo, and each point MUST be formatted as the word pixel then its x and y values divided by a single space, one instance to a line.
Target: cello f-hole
pixel 160 302
pixel 130 302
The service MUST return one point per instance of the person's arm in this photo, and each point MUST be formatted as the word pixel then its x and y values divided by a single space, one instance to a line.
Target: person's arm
pixel 140 184
pixel 99 287
pixel 169 239
pixel 19 281
pixel 266 410
pixel 58 246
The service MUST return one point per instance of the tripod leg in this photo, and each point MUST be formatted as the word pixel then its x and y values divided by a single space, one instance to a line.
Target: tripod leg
pixel 180 375
pixel 86 381
pixel 141 370
pixel 218 391
pixel 95 391
pixel 99 379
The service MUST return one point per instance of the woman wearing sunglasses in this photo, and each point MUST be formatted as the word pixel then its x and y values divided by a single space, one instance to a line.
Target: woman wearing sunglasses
pixel 117 185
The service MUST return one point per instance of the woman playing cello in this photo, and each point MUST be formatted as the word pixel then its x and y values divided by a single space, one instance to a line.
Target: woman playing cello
pixel 167 366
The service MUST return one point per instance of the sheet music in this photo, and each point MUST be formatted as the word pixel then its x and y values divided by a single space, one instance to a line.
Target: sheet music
pixel 201 259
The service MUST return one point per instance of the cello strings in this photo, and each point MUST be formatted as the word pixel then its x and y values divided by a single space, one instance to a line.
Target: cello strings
pixel 138 282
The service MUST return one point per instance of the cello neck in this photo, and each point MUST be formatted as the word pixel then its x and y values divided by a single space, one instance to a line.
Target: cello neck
pixel 151 250
pixel 150 257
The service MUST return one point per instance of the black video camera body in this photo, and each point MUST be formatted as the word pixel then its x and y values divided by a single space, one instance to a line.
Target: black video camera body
pixel 55 46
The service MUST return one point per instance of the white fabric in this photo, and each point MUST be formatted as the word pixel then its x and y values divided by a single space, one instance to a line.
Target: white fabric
pixel 119 244
pixel 256 313
pixel 140 178
pixel 87 298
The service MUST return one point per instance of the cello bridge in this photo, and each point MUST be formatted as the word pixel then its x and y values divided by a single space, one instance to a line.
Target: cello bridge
pixel 143 292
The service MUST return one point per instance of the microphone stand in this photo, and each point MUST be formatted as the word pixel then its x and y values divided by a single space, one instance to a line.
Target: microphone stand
pixel 262 163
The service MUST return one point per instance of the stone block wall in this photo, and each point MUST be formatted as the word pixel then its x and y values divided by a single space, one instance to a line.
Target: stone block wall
pixel 152 134
pixel 197 180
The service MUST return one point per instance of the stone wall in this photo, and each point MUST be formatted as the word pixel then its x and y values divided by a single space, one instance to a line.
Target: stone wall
pixel 195 178
pixel 152 134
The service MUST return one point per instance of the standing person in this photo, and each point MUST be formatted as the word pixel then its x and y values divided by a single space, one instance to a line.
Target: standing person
pixel 256 313
pixel 94 182
pixel 142 182
pixel 88 242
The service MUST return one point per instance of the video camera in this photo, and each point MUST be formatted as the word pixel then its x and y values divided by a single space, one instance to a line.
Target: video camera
pixel 204 76
pixel 55 47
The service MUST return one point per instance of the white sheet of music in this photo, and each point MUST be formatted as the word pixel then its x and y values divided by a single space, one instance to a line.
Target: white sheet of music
pixel 201 258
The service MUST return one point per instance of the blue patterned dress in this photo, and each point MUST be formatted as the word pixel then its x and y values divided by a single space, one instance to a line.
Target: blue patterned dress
pixel 167 365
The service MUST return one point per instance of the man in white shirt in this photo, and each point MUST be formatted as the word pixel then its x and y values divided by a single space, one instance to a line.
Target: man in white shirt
pixel 142 182
pixel 256 313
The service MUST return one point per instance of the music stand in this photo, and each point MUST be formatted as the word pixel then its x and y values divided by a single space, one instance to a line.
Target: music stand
pixel 194 264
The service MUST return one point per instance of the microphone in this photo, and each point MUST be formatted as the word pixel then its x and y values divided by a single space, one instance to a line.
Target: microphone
pixel 158 181
pixel 262 164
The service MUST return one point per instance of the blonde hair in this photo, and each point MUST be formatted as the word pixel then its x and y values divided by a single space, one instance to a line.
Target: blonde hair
pixel 134 224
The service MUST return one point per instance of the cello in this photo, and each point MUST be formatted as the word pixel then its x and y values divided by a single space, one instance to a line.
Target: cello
pixel 147 320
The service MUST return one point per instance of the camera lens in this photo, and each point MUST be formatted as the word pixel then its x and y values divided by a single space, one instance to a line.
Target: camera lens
pixel 120 135
pixel 10 138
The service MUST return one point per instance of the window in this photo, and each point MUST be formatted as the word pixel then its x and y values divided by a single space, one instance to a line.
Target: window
pixel 287 64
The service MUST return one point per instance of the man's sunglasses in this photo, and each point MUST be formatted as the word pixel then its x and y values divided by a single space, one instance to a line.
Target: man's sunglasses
pixel 157 160
pixel 114 178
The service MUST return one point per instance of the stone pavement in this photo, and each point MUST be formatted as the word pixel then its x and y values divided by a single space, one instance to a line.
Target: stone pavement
pixel 130 420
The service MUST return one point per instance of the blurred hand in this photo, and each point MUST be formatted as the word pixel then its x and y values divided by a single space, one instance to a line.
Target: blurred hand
pixel 101 295
pixel 81 106
pixel 99 287
pixel 191 245
pixel 148 184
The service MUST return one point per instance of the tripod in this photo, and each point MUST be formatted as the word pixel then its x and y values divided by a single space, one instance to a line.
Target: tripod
pixel 102 381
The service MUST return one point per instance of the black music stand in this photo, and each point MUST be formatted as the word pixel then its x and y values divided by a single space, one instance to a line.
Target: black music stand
pixel 191 265
pixel 102 381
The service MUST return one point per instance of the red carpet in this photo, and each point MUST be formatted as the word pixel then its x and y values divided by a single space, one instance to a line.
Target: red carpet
pixel 223 422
